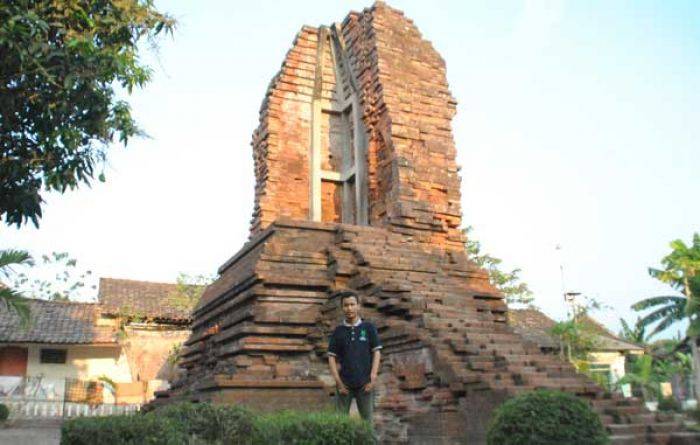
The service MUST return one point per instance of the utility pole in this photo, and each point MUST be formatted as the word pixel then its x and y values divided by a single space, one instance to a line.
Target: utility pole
pixel 569 297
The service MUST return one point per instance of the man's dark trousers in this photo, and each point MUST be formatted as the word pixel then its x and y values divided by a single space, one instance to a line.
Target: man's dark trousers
pixel 364 399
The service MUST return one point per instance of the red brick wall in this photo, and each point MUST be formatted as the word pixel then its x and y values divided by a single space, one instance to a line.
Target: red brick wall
pixel 281 141
pixel 414 183
pixel 413 178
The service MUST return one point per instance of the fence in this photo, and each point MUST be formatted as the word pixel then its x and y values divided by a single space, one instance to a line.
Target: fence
pixel 52 409
pixel 43 398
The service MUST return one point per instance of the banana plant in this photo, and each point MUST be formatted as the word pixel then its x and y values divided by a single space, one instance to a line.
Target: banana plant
pixel 11 299
pixel 641 374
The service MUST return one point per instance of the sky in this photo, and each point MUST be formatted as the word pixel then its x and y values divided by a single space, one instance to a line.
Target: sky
pixel 577 126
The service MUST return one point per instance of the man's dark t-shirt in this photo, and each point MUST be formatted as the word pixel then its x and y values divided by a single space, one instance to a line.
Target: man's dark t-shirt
pixel 352 345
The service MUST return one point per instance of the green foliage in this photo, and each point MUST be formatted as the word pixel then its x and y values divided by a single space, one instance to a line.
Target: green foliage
pixel 4 412
pixel 200 424
pixel 681 266
pixel 57 278
pixel 189 290
pixel 577 337
pixel 508 282
pixel 108 383
pixel 681 271
pixel 634 334
pixel 545 418
pixel 669 404
pixel 670 309
pixel 212 424
pixel 59 63
pixel 123 430
pixel 289 427
pixel 694 414
pixel 12 299
pixel 642 375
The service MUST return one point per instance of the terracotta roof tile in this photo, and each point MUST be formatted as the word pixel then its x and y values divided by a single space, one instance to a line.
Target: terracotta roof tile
pixel 535 326
pixel 142 299
pixel 56 322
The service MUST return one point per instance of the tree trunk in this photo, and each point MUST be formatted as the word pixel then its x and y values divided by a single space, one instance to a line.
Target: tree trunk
pixel 696 366
pixel 693 346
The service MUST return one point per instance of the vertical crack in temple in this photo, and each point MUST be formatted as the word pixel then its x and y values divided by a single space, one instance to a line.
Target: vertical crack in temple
pixel 357 187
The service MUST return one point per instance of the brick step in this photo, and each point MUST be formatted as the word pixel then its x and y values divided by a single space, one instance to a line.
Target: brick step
pixel 645 417
pixel 636 429
pixel 492 337
pixel 624 410
pixel 659 438
pixel 664 427
pixel 685 438
pixel 624 439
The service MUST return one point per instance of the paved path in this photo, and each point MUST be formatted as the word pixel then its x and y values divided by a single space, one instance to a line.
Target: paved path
pixel 30 435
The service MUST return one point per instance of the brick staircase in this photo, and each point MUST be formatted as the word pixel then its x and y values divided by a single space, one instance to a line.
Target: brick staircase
pixel 440 302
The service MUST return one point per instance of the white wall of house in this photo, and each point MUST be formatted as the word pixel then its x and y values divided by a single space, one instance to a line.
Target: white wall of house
pixel 614 359
pixel 84 362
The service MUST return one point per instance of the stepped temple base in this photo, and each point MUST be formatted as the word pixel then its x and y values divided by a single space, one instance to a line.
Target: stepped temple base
pixel 260 336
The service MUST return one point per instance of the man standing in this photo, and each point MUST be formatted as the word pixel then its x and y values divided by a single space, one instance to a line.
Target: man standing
pixel 355 346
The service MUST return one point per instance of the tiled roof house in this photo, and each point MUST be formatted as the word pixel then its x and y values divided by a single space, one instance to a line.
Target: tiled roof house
pixel 126 336
pixel 536 327
pixel 143 299
pixel 57 322
pixel 610 351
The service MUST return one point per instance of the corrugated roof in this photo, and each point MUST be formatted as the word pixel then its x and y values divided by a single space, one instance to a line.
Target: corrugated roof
pixel 56 322
pixel 142 299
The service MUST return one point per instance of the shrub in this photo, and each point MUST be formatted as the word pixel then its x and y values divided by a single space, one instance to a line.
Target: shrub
pixel 4 412
pixel 289 427
pixel 220 424
pixel 123 430
pixel 200 424
pixel 669 404
pixel 544 418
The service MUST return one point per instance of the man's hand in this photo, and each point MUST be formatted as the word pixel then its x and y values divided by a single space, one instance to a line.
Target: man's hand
pixel 369 386
pixel 340 386
pixel 342 389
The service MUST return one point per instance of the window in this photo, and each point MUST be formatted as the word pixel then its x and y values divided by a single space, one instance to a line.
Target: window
pixel 53 356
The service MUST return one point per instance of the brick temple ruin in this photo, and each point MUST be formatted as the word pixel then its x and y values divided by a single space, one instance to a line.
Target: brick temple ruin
pixel 358 187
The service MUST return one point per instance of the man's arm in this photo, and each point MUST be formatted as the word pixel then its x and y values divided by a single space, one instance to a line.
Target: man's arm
pixel 336 376
pixel 376 358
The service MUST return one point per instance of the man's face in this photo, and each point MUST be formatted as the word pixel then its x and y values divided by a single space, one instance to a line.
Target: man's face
pixel 350 308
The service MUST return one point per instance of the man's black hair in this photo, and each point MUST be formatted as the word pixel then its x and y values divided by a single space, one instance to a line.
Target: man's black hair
pixel 343 294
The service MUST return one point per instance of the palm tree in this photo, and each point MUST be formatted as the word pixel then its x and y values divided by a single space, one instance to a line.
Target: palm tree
pixel 635 334
pixel 681 270
pixel 11 299
pixel 641 374
pixel 671 311
pixel 681 266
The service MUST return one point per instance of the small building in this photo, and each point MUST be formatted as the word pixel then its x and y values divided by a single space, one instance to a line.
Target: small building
pixel 153 320
pixel 117 351
pixel 609 353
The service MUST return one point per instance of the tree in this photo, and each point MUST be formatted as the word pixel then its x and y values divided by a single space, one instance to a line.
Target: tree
pixel 509 282
pixel 56 278
pixel 681 270
pixel 641 374
pixel 189 290
pixel 670 309
pixel 577 339
pixel 635 334
pixel 578 335
pixel 11 299
pixel 60 61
